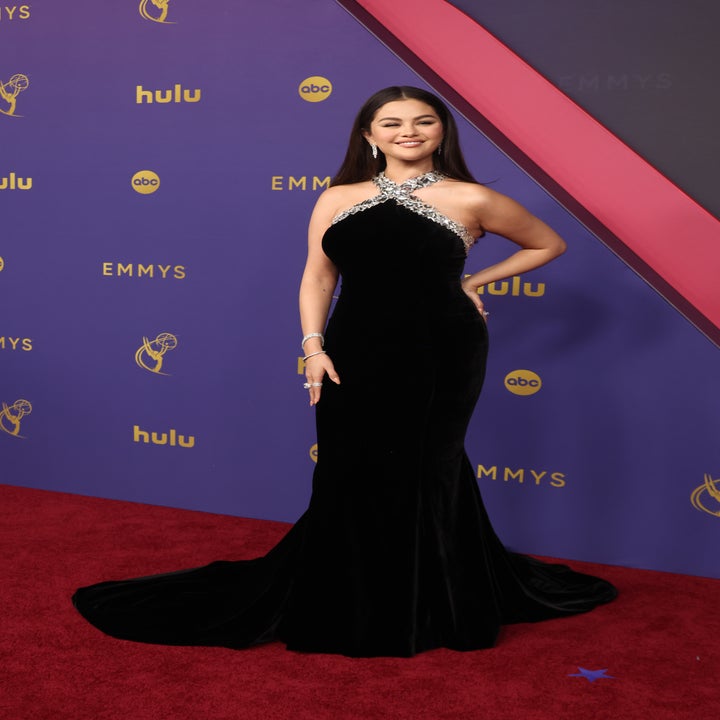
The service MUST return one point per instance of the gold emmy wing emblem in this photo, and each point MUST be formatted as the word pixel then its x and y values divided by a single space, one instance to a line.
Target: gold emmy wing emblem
pixel 157 13
pixel 150 354
pixel 11 416
pixel 702 497
pixel 9 91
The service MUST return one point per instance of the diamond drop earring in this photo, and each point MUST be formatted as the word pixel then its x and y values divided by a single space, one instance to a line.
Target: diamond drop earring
pixel 439 150
pixel 373 148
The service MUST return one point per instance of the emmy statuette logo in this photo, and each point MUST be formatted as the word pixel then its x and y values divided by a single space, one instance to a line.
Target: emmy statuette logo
pixel 2 263
pixel 155 11
pixel 523 382
pixel 9 92
pixel 706 497
pixel 315 89
pixel 151 354
pixel 145 182
pixel 12 415
pixel 314 452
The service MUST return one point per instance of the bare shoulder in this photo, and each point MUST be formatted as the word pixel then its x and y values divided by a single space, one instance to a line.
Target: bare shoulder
pixel 340 197
pixel 336 199
pixel 490 208
pixel 475 195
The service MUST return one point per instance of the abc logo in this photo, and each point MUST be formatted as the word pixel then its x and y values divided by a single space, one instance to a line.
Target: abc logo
pixel 313 453
pixel 523 382
pixel 315 89
pixel 145 182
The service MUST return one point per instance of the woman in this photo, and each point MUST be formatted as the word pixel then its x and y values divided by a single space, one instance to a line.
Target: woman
pixel 395 554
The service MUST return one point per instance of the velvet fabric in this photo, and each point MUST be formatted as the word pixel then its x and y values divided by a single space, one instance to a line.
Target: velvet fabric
pixel 395 554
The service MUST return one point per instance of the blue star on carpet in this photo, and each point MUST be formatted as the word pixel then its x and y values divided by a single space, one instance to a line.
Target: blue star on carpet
pixel 592 675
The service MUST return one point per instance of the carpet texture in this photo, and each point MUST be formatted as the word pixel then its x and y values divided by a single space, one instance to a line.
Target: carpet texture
pixel 657 644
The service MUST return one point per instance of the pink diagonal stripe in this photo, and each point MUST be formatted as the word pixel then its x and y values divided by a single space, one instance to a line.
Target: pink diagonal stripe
pixel 660 223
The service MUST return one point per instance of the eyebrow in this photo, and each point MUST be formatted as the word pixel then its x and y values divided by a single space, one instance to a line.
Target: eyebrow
pixel 419 117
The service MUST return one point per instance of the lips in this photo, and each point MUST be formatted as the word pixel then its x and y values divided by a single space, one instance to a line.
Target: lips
pixel 410 143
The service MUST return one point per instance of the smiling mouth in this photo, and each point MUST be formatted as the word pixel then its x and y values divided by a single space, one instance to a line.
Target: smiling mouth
pixel 410 143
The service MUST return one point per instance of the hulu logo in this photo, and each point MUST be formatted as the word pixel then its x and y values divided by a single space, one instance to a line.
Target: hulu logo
pixel 515 287
pixel 13 182
pixel 176 94
pixel 171 438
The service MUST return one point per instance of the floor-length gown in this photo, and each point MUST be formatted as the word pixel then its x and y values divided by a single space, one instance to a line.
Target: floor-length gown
pixel 395 553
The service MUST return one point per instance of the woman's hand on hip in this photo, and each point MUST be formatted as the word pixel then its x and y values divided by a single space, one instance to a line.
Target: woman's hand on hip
pixel 472 293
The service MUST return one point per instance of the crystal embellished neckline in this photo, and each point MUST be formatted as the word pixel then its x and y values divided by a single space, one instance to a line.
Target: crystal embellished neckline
pixel 407 186
pixel 402 194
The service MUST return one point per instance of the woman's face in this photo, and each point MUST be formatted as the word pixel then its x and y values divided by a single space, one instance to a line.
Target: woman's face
pixel 407 130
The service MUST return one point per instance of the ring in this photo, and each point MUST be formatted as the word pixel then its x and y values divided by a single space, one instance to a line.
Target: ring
pixel 307 386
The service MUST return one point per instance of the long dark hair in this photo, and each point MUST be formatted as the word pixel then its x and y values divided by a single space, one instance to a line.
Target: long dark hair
pixel 359 164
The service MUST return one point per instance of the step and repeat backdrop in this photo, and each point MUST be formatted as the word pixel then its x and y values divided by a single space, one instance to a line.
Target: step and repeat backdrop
pixel 158 164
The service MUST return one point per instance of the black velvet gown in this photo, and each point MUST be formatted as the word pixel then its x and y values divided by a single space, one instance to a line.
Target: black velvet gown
pixel 395 554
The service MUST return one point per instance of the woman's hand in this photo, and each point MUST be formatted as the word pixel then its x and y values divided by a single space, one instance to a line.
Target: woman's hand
pixel 498 214
pixel 471 292
pixel 316 368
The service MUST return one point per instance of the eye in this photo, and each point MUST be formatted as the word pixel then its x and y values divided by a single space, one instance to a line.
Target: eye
pixel 390 125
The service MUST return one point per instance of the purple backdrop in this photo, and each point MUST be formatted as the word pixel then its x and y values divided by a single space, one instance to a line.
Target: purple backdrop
pixel 174 312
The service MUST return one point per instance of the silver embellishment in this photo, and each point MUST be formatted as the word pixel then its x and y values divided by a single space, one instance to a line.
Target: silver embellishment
pixel 402 194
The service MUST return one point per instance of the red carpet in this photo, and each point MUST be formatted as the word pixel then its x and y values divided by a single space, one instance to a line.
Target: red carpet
pixel 657 643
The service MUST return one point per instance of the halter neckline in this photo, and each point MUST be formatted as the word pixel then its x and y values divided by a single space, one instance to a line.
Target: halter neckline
pixel 402 194
pixel 415 183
